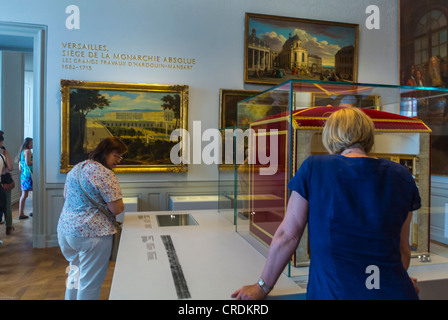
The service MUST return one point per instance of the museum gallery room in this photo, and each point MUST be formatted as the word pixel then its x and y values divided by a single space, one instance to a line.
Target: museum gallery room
pixel 188 121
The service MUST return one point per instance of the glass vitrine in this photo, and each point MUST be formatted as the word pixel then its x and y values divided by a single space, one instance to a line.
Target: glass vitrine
pixel 280 127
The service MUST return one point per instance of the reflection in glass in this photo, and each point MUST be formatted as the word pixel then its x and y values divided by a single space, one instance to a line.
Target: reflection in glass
pixel 176 220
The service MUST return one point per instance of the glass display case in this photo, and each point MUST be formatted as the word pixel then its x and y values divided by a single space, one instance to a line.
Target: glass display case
pixel 227 181
pixel 280 127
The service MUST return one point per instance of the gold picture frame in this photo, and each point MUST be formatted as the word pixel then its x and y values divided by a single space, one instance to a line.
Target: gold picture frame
pixel 142 115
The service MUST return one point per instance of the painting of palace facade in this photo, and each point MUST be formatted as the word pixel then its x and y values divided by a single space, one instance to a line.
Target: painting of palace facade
pixel 281 48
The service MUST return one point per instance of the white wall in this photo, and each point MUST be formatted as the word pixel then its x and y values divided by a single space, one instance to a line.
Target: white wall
pixel 211 32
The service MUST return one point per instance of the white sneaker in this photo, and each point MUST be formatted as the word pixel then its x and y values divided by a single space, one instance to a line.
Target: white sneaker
pixel 1 242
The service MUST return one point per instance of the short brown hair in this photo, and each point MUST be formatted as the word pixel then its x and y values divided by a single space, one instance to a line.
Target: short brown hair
pixel 106 146
pixel 348 128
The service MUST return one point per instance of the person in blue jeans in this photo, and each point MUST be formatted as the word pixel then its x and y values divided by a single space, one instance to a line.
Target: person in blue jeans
pixel 358 210
pixel 84 231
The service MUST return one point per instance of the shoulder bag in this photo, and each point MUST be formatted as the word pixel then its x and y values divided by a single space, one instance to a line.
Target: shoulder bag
pixel 117 224
pixel 7 181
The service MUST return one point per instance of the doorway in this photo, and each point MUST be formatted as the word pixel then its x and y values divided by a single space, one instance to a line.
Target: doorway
pixel 30 39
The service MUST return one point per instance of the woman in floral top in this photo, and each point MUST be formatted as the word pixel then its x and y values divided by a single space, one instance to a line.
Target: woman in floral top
pixel 84 231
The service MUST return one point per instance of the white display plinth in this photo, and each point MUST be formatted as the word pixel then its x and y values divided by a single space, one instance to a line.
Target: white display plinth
pixel 432 277
pixel 130 205
pixel 215 259
pixel 199 202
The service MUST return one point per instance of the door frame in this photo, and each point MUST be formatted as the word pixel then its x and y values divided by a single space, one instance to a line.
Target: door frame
pixel 39 35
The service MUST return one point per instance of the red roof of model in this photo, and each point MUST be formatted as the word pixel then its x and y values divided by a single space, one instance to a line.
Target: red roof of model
pixel 315 118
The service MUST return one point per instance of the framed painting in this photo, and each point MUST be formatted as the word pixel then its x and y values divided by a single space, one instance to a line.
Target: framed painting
pixel 228 105
pixel 424 63
pixel 141 115
pixel 282 48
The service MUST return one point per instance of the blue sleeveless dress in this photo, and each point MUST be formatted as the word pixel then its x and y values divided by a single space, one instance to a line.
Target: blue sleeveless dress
pixel 26 175
pixel 357 207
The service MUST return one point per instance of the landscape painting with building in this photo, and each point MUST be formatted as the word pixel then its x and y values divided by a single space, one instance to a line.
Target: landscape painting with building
pixel 281 48
pixel 143 116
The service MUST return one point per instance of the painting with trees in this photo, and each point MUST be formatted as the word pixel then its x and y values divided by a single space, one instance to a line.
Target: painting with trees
pixel 142 115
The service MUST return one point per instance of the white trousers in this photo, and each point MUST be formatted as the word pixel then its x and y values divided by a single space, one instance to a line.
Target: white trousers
pixel 89 261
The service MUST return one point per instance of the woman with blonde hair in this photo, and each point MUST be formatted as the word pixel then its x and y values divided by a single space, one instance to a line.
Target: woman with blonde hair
pixel 358 211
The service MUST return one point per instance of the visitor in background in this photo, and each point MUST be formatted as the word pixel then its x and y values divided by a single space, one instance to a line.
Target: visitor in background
pixel 25 158
pixel 84 231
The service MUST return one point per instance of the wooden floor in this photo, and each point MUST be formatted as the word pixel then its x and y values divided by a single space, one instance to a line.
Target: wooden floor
pixel 34 274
